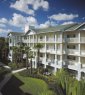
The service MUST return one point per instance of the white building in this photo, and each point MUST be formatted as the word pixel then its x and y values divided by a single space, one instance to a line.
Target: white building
pixel 64 46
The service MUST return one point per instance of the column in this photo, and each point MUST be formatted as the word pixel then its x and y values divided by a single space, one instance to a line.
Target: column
pixel 55 70
pixel 45 53
pixel 29 40
pixel 79 61
pixel 61 46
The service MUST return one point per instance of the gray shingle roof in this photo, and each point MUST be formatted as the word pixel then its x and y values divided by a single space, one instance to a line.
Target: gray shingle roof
pixel 54 29
pixel 16 33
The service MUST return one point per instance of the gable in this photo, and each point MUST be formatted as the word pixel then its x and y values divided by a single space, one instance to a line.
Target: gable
pixel 30 32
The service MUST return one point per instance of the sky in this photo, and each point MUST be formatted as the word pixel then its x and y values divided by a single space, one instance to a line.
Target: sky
pixel 16 14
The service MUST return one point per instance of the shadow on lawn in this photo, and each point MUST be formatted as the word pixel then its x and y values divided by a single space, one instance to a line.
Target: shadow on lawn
pixel 12 87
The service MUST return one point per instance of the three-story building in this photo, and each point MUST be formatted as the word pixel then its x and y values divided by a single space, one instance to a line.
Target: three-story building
pixel 63 46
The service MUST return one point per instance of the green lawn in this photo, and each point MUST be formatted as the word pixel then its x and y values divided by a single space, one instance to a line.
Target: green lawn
pixel 33 86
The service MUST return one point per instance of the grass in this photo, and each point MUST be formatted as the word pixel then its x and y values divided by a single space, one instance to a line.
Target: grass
pixel 33 86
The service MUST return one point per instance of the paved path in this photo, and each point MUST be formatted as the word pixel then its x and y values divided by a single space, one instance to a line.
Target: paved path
pixel 16 71
pixel 8 77
pixel 5 80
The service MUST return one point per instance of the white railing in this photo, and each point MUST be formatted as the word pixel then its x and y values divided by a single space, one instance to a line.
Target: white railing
pixel 50 61
pixel 51 50
pixel 82 39
pixel 72 40
pixel 59 40
pixel 58 62
pixel 72 51
pixel 72 62
pixel 41 40
pixel 50 40
pixel 83 52
pixel 83 65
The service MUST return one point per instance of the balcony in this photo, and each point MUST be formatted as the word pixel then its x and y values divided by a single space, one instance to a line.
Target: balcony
pixel 82 39
pixel 51 51
pixel 50 62
pixel 83 52
pixel 31 41
pixel 72 64
pixel 59 51
pixel 43 50
pixel 83 65
pixel 51 40
pixel 59 40
pixel 72 51
pixel 72 40
pixel 41 40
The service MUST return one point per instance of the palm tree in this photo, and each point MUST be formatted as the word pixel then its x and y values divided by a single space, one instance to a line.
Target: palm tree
pixel 31 56
pixel 38 46
pixel 21 50
pixel 15 54
pixel 27 52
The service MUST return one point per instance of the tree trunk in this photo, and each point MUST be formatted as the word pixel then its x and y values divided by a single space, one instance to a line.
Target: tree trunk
pixel 38 58
pixel 31 65
pixel 27 61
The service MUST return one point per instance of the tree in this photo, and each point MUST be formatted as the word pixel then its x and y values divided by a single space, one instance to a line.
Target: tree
pixel 4 50
pixel 15 54
pixel 31 56
pixel 27 52
pixel 38 46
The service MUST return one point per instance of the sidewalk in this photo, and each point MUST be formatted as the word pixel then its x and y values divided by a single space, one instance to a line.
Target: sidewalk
pixel 16 71
pixel 8 77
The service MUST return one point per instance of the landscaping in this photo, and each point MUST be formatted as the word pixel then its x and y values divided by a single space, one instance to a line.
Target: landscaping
pixel 34 86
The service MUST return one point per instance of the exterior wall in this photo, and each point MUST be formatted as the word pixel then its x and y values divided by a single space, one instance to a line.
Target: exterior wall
pixel 59 50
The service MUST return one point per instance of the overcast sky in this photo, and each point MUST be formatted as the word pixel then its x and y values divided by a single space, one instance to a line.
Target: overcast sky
pixel 15 14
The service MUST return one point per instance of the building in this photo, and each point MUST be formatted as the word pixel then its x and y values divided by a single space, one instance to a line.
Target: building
pixel 64 46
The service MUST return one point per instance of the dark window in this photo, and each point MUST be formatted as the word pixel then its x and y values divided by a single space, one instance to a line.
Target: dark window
pixel 25 37
pixel 41 37
pixel 71 57
pixel 10 40
pixel 71 47
pixel 68 36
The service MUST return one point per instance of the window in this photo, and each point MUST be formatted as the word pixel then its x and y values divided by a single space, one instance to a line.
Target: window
pixel 10 40
pixel 25 37
pixel 41 37
pixel 71 47
pixel 71 36
pixel 47 47
pixel 71 57
pixel 10 48
pixel 68 36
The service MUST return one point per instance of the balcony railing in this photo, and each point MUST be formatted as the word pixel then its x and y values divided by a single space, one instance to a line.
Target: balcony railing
pixel 83 52
pixel 72 51
pixel 82 39
pixel 41 40
pixel 50 62
pixel 51 40
pixel 72 62
pixel 83 65
pixel 72 40
pixel 51 50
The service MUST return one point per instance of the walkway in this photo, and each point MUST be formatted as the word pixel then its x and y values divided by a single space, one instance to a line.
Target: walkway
pixel 8 77
pixel 16 71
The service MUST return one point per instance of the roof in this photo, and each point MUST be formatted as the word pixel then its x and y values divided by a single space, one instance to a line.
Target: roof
pixel 62 28
pixel 16 33
pixel 54 29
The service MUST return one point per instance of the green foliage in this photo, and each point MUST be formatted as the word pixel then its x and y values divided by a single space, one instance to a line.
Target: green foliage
pixel 47 93
pixel 15 66
pixel 69 85
pixel 4 50
pixel 34 86
pixel 61 84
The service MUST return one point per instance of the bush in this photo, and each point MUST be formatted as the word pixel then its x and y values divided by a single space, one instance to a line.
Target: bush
pixel 15 66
